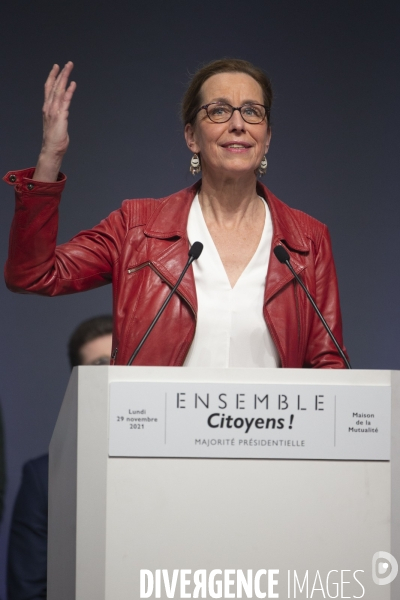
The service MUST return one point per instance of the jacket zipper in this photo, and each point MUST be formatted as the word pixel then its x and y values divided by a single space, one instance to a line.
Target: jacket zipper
pixel 138 267
pixel 114 355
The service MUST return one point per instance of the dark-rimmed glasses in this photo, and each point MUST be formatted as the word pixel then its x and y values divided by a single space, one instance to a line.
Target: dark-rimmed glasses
pixel 221 112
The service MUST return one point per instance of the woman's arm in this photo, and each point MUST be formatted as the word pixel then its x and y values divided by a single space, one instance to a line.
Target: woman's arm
pixel 35 264
pixel 57 99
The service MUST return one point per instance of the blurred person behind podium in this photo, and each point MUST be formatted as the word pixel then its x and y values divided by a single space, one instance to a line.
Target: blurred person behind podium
pixel 89 344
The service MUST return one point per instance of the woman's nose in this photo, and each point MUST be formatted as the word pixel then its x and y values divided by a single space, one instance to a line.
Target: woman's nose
pixel 236 121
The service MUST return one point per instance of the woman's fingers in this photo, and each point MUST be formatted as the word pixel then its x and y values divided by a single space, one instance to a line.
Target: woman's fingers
pixel 58 95
pixel 69 92
pixel 57 99
pixel 56 83
pixel 48 86
pixel 62 78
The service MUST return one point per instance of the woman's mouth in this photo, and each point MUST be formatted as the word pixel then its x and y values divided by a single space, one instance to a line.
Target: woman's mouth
pixel 236 146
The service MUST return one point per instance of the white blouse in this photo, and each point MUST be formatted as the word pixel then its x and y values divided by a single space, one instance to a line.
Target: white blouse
pixel 231 330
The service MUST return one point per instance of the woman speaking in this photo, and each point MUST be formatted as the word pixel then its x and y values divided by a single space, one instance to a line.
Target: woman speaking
pixel 237 306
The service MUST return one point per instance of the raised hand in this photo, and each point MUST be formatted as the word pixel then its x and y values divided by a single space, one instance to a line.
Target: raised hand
pixel 57 99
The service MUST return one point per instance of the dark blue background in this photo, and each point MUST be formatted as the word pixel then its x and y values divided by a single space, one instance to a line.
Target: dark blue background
pixel 334 154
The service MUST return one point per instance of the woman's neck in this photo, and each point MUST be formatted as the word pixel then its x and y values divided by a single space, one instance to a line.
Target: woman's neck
pixel 228 201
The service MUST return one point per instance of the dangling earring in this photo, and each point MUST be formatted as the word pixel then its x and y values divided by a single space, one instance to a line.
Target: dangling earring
pixel 195 166
pixel 262 169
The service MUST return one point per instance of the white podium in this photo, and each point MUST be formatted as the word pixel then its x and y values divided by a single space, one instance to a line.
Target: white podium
pixel 317 521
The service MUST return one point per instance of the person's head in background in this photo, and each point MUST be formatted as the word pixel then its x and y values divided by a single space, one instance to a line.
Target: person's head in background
pixel 90 343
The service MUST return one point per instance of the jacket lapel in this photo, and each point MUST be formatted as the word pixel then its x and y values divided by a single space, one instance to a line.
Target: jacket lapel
pixel 285 231
pixel 168 244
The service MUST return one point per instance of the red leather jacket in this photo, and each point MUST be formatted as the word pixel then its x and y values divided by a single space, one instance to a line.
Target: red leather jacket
pixel 142 248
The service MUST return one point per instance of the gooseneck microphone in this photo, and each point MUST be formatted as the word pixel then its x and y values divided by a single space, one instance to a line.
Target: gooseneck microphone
pixel 195 250
pixel 283 256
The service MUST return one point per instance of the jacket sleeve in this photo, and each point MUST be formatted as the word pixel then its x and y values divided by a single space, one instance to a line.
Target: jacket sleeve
pixel 36 264
pixel 27 550
pixel 321 351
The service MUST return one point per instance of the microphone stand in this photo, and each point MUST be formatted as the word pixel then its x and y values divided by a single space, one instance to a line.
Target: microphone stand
pixel 194 253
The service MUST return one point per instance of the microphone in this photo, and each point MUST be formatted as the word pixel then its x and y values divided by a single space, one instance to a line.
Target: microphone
pixel 195 250
pixel 283 256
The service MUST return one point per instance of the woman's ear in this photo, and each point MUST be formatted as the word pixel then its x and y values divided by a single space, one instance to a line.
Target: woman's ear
pixel 268 141
pixel 190 137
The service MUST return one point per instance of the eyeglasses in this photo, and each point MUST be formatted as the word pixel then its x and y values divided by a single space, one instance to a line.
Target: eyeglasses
pixel 221 112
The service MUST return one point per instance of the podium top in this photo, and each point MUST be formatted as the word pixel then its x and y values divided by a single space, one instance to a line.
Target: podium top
pixel 246 375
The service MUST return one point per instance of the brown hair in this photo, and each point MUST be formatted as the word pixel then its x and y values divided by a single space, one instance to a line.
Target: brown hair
pixel 192 99
pixel 89 330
